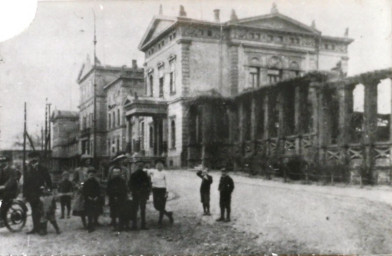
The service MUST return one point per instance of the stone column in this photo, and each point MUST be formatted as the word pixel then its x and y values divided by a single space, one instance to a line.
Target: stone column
pixel 370 112
pixel 281 117
pixel 266 109
pixel 344 95
pixel 299 101
pixel 253 119
pixel 242 120
pixel 233 52
pixel 370 128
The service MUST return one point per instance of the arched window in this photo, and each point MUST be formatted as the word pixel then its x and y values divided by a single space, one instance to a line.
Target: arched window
pixel 173 133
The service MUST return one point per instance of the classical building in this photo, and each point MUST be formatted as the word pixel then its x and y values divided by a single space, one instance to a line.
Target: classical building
pixel 187 59
pixel 65 132
pixel 108 87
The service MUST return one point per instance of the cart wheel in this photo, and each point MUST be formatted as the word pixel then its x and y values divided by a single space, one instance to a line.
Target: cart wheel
pixel 16 216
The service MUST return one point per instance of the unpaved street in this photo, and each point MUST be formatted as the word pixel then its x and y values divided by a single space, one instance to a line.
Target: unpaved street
pixel 268 217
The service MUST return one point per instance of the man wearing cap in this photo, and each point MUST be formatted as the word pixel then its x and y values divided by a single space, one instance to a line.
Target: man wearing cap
pixel 226 187
pixel 140 187
pixel 37 176
pixel 91 192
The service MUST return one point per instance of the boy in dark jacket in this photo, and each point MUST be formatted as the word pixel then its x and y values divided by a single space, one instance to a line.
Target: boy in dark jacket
pixel 226 187
pixel 91 192
pixel 117 193
pixel 205 190
pixel 65 190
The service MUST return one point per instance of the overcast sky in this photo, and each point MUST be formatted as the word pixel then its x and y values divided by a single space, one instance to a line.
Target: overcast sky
pixel 44 60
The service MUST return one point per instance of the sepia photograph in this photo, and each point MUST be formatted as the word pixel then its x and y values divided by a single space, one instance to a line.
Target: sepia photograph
pixel 195 127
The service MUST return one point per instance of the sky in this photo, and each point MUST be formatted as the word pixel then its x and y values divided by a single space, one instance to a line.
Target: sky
pixel 43 60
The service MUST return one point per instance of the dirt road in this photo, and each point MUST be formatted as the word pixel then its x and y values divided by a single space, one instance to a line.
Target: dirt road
pixel 268 217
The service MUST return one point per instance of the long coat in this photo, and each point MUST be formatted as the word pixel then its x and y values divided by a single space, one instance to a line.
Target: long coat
pixel 91 192
pixel 117 189
pixel 37 176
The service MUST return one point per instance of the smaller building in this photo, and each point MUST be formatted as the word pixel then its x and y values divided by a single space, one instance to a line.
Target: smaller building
pixel 65 127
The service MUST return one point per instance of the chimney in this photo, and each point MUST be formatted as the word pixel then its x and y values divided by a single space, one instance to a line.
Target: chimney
pixel 182 11
pixel 134 64
pixel 313 24
pixel 216 15
pixel 233 16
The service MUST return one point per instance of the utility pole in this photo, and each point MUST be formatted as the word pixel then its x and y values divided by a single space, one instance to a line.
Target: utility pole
pixel 49 129
pixel 42 138
pixel 95 97
pixel 24 149
pixel 46 128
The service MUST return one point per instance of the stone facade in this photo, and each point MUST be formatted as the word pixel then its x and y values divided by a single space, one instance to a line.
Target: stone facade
pixel 65 132
pixel 112 85
pixel 186 58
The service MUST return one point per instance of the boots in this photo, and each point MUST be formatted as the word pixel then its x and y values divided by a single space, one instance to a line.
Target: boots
pixel 222 217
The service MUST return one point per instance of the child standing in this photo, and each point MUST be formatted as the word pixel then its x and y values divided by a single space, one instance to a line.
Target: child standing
pixel 47 211
pixel 65 190
pixel 226 187
pixel 205 190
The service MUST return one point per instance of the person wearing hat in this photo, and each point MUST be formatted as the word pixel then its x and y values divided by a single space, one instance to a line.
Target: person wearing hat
pixel 119 162
pixel 140 186
pixel 65 190
pixel 37 176
pixel 226 187
pixel 159 191
pixel 205 187
pixel 117 192
pixel 91 192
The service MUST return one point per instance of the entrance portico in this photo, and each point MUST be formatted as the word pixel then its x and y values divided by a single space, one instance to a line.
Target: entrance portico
pixel 146 121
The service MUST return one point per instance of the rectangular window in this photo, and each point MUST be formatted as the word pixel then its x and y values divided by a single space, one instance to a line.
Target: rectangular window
pixel 151 80
pixel 109 121
pixel 142 135
pixel 274 76
pixel 255 77
pixel 118 117
pixel 173 133
pixel 172 78
pixel 151 136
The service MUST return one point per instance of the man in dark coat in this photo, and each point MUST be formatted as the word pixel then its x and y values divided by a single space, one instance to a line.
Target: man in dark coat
pixel 9 188
pixel 205 190
pixel 140 187
pixel 226 187
pixel 117 193
pixel 37 176
pixel 91 192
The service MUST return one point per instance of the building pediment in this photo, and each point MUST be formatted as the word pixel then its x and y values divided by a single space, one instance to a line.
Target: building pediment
pixel 156 27
pixel 277 21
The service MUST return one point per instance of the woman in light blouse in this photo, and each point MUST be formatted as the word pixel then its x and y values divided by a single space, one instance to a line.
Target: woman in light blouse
pixel 159 191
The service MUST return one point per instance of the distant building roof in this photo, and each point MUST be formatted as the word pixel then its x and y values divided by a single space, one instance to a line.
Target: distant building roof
pixel 64 114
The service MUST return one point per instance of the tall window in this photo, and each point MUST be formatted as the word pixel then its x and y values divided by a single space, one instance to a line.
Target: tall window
pixel 172 78
pixel 151 136
pixel 118 144
pixel 255 77
pixel 142 135
pixel 161 80
pixel 118 117
pixel 114 119
pixel 173 133
pixel 151 82
pixel 84 122
pixel 109 121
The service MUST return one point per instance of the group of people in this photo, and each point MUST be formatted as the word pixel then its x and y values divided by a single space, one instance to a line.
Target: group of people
pixel 127 192
pixel 226 187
